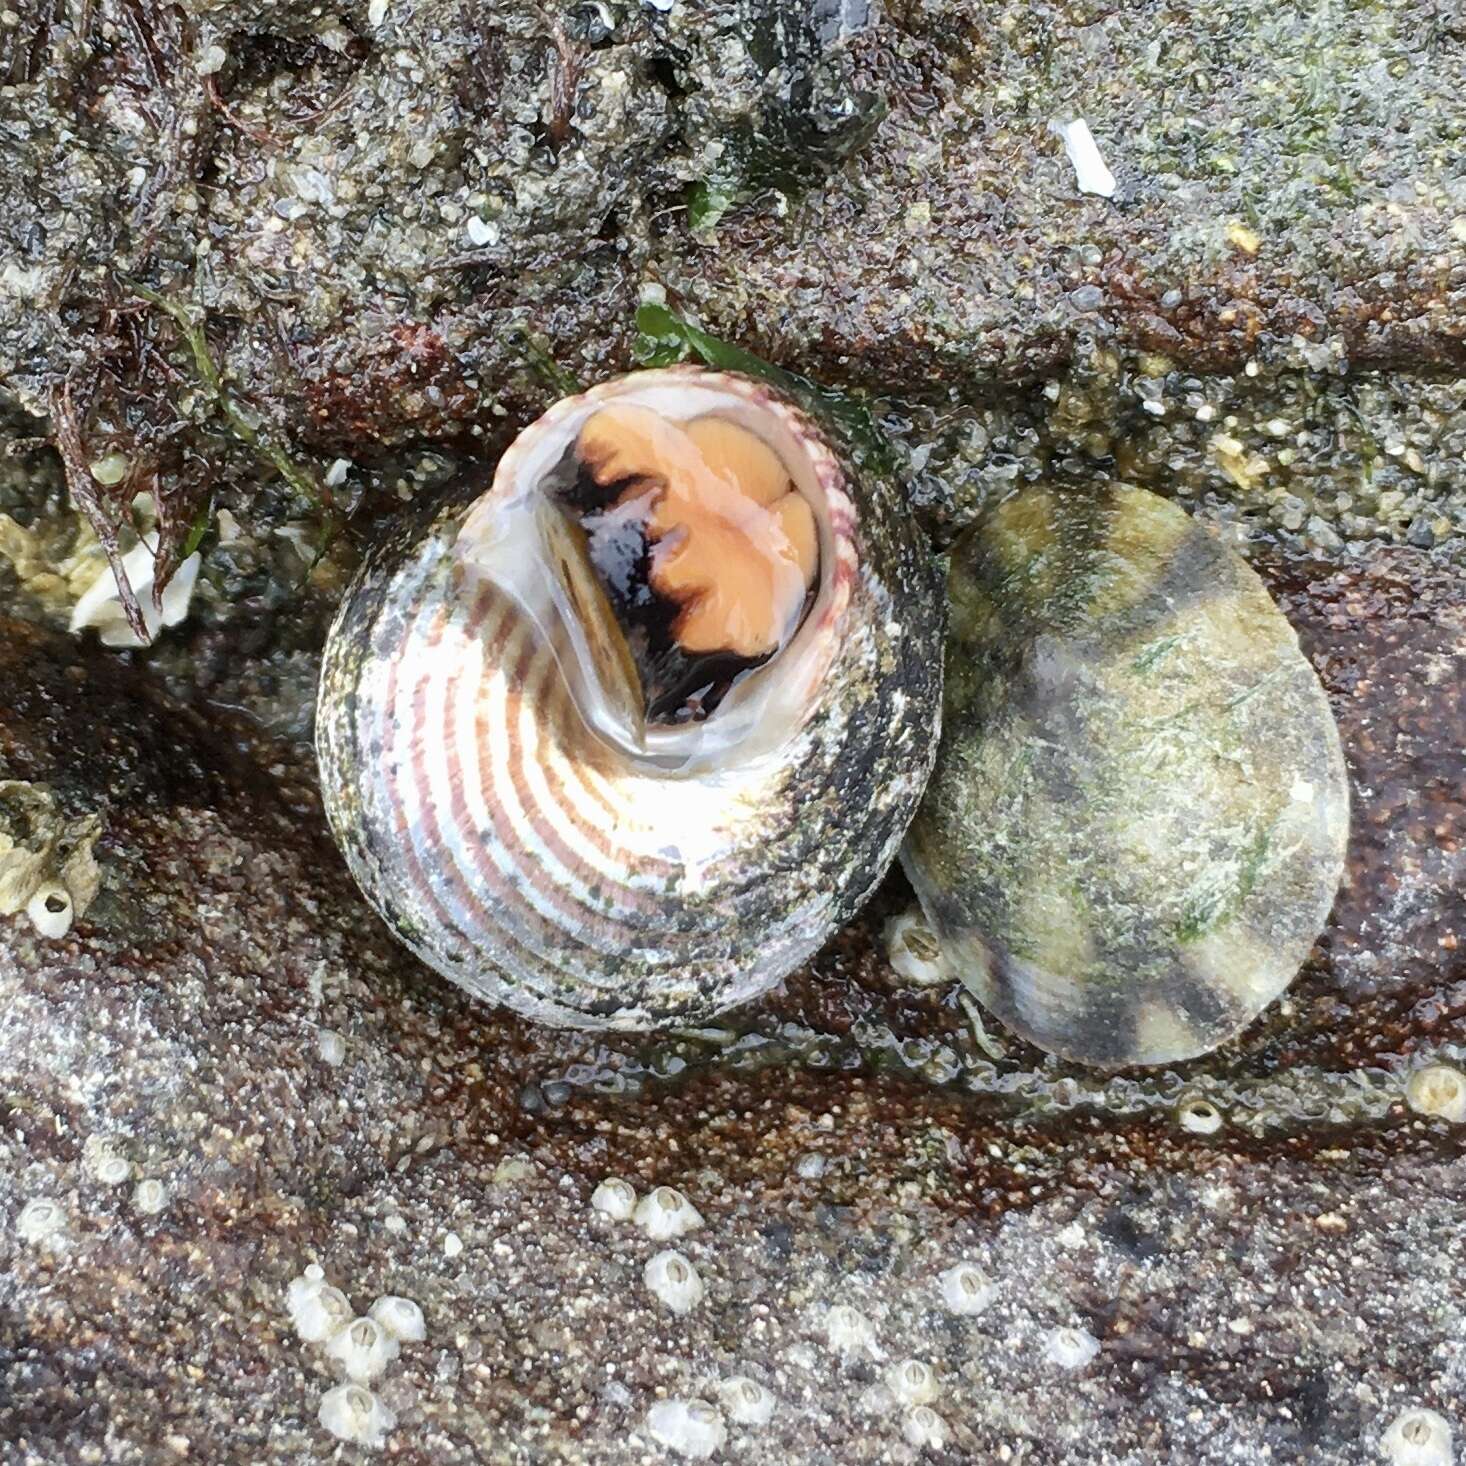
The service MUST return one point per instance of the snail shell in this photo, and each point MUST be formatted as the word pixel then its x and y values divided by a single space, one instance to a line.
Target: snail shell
pixel 1137 822
pixel 493 768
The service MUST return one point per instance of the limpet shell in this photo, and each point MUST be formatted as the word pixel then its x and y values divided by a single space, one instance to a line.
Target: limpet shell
pixel 1137 822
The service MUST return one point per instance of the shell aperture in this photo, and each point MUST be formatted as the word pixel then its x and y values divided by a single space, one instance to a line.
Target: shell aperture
pixel 500 766
pixel 1138 819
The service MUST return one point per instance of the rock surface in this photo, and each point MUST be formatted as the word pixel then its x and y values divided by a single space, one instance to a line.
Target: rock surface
pixel 399 229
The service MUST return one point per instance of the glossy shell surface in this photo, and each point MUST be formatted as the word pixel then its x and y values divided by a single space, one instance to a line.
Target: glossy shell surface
pixel 525 857
pixel 1137 822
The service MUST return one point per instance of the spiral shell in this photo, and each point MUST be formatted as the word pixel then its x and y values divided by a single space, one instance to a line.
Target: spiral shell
pixel 520 824
pixel 1137 822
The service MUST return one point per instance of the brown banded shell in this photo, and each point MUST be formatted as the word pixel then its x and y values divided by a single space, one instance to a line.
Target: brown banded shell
pixel 1137 821
pixel 563 798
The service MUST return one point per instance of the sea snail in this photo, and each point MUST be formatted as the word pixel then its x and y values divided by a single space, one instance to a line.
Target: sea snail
pixel 1137 822
pixel 624 730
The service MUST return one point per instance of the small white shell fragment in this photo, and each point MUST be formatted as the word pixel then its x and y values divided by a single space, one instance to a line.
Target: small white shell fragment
pixel 1198 1116
pixel 452 1244
pixel 666 1213
pixel 1090 170
pixel 50 910
pixel 614 1198
pixel 689 1427
pixel 965 1289
pixel 848 1330
pixel 363 1348
pixel 1417 1437
pixel 481 232
pixel 1438 1090
pixel 1070 1348
pixel 376 13
pixel 336 474
pixel 746 1401
pixel 401 1317
pixel 320 1314
pixel 331 1047
pixel 110 469
pixel 42 1222
pixel 150 1197
pixel 354 1414
pixel 211 60
pixel 674 1281
pixel 924 1427
pixel 101 606
pixel 911 946
pixel 912 1382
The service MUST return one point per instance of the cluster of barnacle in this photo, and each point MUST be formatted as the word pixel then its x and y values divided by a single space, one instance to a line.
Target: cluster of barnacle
pixel 909 1388
pixel 362 1346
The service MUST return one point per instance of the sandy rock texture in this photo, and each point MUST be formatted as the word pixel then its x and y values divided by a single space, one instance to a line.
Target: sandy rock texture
pixel 269 270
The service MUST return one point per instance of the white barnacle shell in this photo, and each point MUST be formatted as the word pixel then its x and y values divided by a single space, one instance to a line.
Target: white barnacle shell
pixel 746 1401
pixel 912 1382
pixel 1137 822
pixel 614 1198
pixel 965 1289
pixel 363 1348
pixel 1438 1090
pixel 674 1281
pixel 401 1317
pixel 689 1427
pixel 914 951
pixel 604 822
pixel 353 1413
pixel 319 1313
pixel 1070 1348
pixel 1417 1437
pixel 924 1427
pixel 848 1331
pixel 42 1223
pixel 665 1212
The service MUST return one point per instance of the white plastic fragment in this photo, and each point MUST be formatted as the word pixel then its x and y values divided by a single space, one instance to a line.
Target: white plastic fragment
pixel 401 1317
pixel 50 910
pixel 666 1213
pixel 352 1413
pixel 363 1349
pixel 689 1427
pixel 1070 1348
pixel 965 1290
pixel 1438 1090
pixel 100 605
pixel 614 1198
pixel 1418 1437
pixel 746 1401
pixel 673 1280
pixel 1090 170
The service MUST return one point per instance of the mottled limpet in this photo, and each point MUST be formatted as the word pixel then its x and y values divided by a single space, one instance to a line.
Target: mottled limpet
pixel 1137 822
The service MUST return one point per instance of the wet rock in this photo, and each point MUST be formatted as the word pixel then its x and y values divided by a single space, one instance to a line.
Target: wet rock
pixel 175 1034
